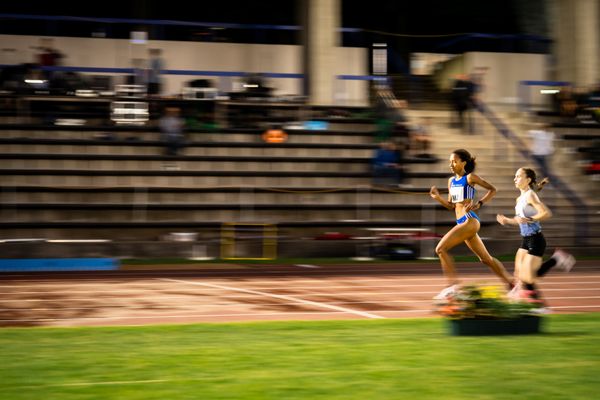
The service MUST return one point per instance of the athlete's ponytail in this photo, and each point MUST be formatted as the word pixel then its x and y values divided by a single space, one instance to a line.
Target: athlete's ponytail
pixel 541 184
pixel 534 185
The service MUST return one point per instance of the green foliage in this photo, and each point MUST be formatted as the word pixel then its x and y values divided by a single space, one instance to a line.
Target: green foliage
pixel 485 302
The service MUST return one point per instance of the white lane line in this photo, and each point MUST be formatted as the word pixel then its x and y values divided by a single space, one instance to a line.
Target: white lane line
pixel 241 296
pixel 285 279
pixel 235 304
pixel 195 307
pixel 117 302
pixel 61 291
pixel 187 316
pixel 276 296
pixel 395 270
pixel 252 315
pixel 306 266
pixel 288 286
pixel 103 307
pixel 151 281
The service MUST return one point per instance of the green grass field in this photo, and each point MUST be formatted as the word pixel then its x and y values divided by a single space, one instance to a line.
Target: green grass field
pixel 374 359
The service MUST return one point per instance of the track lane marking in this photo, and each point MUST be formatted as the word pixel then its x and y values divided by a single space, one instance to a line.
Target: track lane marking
pixel 60 290
pixel 187 316
pixel 276 296
pixel 235 304
pixel 414 311
pixel 314 294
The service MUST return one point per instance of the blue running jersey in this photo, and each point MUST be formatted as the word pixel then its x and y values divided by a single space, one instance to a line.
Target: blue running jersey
pixel 460 190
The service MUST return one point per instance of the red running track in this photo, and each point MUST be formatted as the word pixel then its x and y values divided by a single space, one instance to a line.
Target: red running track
pixel 291 292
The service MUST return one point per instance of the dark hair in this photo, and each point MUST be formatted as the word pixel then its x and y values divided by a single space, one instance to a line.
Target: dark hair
pixel 464 155
pixel 534 185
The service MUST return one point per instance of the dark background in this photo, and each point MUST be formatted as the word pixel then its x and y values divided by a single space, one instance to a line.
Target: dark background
pixel 402 24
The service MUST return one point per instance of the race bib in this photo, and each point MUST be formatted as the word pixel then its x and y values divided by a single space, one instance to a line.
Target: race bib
pixel 457 194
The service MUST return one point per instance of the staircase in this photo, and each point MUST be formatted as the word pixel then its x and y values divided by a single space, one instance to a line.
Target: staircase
pixel 497 161
pixel 420 91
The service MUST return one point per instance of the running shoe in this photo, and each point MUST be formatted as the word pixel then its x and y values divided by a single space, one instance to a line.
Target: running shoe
pixel 541 310
pixel 515 292
pixel 564 260
pixel 447 293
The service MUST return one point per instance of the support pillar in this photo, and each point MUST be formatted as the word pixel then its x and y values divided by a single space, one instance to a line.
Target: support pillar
pixel 322 39
pixel 577 41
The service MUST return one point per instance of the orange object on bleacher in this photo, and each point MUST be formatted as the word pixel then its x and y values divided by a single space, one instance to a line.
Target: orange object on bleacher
pixel 274 136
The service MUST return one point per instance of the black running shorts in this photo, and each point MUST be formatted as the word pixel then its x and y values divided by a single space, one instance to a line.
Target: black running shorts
pixel 535 244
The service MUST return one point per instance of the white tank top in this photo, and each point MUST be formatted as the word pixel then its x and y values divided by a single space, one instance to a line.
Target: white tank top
pixel 526 210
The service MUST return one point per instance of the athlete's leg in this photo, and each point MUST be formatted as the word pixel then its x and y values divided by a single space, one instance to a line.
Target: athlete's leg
pixel 519 259
pixel 515 292
pixel 528 270
pixel 528 275
pixel 454 237
pixel 546 266
pixel 476 245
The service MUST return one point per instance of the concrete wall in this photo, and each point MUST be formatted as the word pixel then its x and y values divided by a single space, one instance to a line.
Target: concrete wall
pixel 118 53
pixel 502 78
pixel 444 78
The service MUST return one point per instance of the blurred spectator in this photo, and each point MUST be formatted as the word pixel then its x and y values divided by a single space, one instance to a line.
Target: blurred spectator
pixel 566 102
pixel 386 167
pixel 463 93
pixel 380 110
pixel 389 114
pixel 400 133
pixel 421 138
pixel 477 78
pixel 155 67
pixel 171 129
pixel 48 56
pixel 140 73
pixel 542 146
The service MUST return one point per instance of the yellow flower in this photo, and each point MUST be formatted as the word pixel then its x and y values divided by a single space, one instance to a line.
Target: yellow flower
pixel 490 292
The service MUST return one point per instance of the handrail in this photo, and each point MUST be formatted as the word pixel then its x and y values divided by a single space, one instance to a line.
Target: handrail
pixel 186 72
pixel 581 209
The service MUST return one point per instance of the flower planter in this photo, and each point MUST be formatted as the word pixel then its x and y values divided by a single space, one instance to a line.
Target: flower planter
pixel 491 327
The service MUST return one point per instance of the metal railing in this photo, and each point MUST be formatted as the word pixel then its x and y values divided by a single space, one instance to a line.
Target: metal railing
pixel 581 209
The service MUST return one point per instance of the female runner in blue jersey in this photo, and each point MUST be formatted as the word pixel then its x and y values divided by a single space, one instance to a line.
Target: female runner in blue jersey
pixel 461 199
